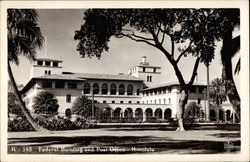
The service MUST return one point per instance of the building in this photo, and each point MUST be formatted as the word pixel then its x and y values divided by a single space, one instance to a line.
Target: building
pixel 137 94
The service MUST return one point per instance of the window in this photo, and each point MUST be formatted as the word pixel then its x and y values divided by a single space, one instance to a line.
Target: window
pixel 150 78
pixel 138 92
pixel 59 84
pixel 113 89
pixel 113 101
pixel 199 101
pixel 151 101
pixel 193 89
pixel 55 64
pixel 68 98
pixel 95 101
pixel 201 89
pixel 104 88
pixel 121 102
pixel 138 102
pixel 47 84
pixel 86 88
pixel 147 101
pixel 121 89
pixel 159 101
pixel 104 101
pixel 169 90
pixel 68 113
pixel 154 70
pixel 47 63
pixel 155 101
pixel 130 90
pixel 155 92
pixel 40 63
pixel 164 90
pixel 49 72
pixel 72 84
pixel 159 91
pixel 143 69
pixel 45 72
pixel 96 88
pixel 169 100
pixel 164 101
pixel 129 102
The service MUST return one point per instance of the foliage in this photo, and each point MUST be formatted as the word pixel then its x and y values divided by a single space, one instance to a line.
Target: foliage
pixel 19 125
pixel 192 112
pixel 82 106
pixel 45 103
pixel 13 105
pixel 24 35
pixel 217 91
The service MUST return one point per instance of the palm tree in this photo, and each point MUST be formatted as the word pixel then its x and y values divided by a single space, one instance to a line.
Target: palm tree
pixel 45 103
pixel 217 93
pixel 82 106
pixel 24 36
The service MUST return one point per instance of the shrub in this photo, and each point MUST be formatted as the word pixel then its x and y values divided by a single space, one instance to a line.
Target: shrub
pixel 19 125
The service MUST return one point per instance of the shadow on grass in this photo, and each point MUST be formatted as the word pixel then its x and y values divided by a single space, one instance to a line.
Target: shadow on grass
pixel 130 144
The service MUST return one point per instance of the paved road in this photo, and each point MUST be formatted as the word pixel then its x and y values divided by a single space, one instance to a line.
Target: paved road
pixel 128 140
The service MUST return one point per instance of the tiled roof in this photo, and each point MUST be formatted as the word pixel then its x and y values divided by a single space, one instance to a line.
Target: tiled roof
pixel 59 77
pixel 104 76
pixel 172 84
pixel 47 59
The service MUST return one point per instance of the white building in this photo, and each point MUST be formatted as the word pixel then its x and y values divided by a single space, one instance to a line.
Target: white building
pixel 136 95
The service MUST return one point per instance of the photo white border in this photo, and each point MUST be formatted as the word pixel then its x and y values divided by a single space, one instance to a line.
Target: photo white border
pixel 244 78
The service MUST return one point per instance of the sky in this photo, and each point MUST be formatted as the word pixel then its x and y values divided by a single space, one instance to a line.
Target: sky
pixel 59 26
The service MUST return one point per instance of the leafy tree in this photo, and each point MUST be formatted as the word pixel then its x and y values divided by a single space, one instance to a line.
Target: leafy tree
pixel 13 105
pixel 45 103
pixel 82 106
pixel 191 31
pixel 24 36
pixel 228 20
pixel 217 93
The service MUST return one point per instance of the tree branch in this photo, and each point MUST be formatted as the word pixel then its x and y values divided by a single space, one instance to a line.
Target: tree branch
pixel 172 43
pixel 196 65
pixel 137 36
pixel 137 40
pixel 178 59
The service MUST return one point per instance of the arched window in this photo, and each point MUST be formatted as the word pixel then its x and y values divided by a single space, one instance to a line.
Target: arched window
pixel 96 88
pixel 86 88
pixel 130 90
pixel 121 89
pixel 68 113
pixel 113 89
pixel 45 72
pixel 49 72
pixel 104 88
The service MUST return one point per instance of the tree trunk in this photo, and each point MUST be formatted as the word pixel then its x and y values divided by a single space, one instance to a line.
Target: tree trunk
pixel 227 72
pixel 22 105
pixel 180 109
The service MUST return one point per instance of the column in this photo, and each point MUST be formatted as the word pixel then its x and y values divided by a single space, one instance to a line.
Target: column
pixel 225 117
pixel 143 116
pixel 162 117
pixel 133 111
pixel 233 117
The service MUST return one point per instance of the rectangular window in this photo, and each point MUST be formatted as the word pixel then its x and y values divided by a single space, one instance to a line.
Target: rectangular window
pixel 47 63
pixel 104 101
pixel 47 84
pixel 113 101
pixel 55 64
pixel 121 102
pixel 138 102
pixel 138 92
pixel 60 84
pixel 193 89
pixel 72 84
pixel 129 102
pixel 154 70
pixel 143 69
pixel 201 89
pixel 40 63
pixel 68 98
